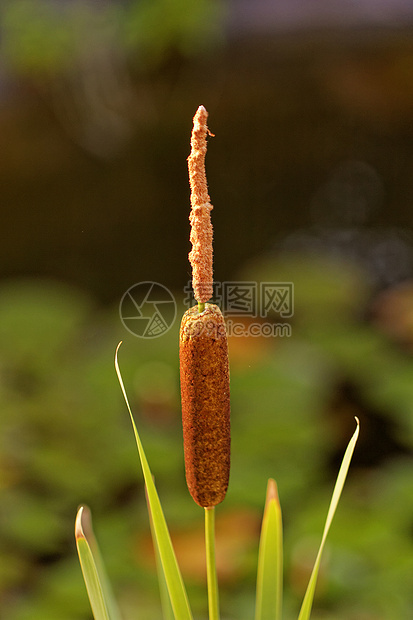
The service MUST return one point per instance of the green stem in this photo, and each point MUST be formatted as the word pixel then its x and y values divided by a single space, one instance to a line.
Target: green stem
pixel 213 602
pixel 201 307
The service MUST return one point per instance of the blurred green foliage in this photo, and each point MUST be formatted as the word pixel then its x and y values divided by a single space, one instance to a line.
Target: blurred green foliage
pixel 45 36
pixel 65 438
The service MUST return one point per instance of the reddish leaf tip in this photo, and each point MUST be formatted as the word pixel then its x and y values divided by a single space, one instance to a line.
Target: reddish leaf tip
pixel 78 524
pixel 272 492
pixel 83 524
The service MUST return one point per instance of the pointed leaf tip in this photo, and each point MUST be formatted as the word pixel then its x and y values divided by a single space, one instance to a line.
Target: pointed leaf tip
pixel 83 524
pixel 78 524
pixel 272 491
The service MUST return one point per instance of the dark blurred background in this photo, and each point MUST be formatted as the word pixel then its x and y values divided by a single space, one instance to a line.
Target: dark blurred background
pixel 310 174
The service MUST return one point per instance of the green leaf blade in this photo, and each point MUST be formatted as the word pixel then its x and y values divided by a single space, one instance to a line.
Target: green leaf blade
pixel 99 592
pixel 167 610
pixel 175 585
pixel 341 478
pixel 270 560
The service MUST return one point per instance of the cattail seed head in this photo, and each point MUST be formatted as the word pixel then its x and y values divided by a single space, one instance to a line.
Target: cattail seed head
pixel 203 351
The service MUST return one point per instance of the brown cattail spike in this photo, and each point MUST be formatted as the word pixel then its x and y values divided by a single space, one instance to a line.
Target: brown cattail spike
pixel 203 351
pixel 200 256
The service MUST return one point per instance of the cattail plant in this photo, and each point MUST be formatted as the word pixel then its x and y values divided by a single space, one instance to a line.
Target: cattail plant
pixel 203 349
pixel 204 367
pixel 204 374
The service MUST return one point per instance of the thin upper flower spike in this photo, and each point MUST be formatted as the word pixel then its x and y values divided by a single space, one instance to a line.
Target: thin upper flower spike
pixel 200 256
